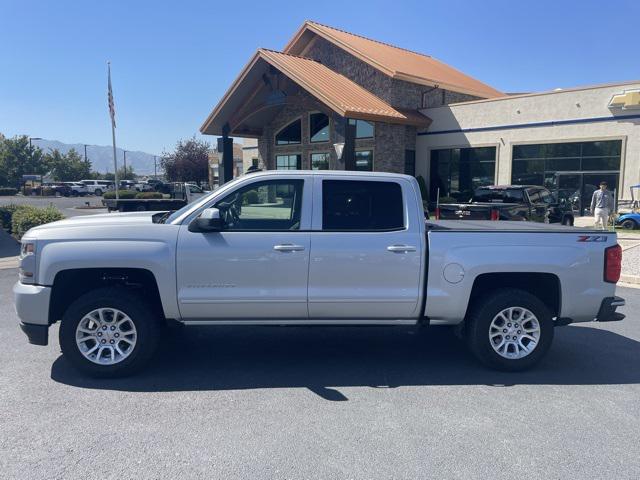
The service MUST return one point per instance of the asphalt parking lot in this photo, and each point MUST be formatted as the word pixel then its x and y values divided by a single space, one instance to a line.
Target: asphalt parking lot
pixel 67 205
pixel 324 403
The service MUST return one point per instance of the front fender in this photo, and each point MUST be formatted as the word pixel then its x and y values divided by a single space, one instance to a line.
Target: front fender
pixel 152 255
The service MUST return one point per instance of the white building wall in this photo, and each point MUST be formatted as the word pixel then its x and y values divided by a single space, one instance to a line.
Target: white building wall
pixel 512 120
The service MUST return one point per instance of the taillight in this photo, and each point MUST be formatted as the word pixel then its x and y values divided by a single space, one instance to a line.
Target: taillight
pixel 495 214
pixel 612 263
pixel 437 213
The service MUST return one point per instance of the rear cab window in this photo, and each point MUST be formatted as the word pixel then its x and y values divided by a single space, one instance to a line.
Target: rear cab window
pixel 353 205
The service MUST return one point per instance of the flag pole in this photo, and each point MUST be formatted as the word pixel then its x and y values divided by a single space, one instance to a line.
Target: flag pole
pixel 113 133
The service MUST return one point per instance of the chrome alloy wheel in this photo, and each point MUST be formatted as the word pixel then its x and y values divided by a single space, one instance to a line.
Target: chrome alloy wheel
pixel 106 336
pixel 514 333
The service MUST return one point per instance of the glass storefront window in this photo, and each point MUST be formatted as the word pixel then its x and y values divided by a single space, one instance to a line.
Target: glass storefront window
pixel 288 162
pixel 364 161
pixel 291 134
pixel 364 129
pixel 570 170
pixel 457 172
pixel 320 161
pixel 318 128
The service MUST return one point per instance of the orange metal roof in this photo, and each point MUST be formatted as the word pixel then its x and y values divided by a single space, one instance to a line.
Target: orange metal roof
pixel 343 96
pixel 394 61
pixel 336 91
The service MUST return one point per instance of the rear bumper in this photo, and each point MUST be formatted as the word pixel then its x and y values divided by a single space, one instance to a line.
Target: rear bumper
pixel 607 312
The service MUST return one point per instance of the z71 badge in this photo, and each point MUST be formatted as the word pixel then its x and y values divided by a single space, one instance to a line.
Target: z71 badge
pixel 592 238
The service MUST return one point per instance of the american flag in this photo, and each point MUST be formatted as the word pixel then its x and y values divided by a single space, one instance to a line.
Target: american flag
pixel 112 110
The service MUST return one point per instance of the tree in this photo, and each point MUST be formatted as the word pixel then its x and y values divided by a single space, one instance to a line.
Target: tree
pixel 189 162
pixel 17 158
pixel 130 175
pixel 67 167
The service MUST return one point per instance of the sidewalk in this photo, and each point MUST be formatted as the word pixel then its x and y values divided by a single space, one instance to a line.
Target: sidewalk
pixel 630 243
pixel 9 251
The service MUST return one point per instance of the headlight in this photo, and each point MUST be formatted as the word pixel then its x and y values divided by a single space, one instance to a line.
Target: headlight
pixel 28 248
pixel 27 261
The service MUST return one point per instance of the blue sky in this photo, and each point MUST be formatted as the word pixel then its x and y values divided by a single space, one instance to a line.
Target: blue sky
pixel 172 61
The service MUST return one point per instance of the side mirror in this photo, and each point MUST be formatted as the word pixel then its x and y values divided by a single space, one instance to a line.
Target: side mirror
pixel 208 221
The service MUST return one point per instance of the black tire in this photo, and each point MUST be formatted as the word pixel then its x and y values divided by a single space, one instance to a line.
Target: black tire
pixel 479 321
pixel 629 224
pixel 142 316
pixel 567 221
pixel 97 192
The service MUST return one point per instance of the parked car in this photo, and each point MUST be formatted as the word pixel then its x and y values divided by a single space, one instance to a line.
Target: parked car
pixel 78 189
pixel 60 189
pixel 509 202
pixel 310 248
pixel 127 184
pixel 144 186
pixel 97 187
pixel 629 221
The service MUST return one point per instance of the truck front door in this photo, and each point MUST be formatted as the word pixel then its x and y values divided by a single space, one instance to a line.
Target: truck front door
pixel 257 266
pixel 366 249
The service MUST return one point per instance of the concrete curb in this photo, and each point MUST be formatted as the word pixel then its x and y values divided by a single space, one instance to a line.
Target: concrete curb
pixel 8 263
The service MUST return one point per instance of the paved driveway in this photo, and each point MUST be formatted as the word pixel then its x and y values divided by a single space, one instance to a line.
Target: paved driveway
pixel 324 403
pixel 67 205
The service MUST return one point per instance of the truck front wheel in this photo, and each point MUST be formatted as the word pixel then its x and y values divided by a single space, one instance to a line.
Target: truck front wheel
pixel 109 332
pixel 510 330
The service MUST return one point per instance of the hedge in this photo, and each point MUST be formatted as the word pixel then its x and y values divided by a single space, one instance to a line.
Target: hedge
pixel 17 219
pixel 6 212
pixel 144 195
pixel 123 194
pixel 8 191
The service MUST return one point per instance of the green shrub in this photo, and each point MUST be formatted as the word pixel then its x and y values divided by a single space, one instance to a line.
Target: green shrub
pixel 7 191
pixel 144 195
pixel 123 194
pixel 26 216
pixel 251 198
pixel 6 212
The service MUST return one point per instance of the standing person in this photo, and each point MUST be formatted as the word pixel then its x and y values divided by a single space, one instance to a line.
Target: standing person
pixel 601 206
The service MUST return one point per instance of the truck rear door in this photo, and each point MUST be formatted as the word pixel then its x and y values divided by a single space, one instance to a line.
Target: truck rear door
pixel 366 249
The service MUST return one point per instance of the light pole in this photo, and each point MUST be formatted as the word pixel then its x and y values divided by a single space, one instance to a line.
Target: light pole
pixel 86 160
pixel 125 164
pixel 31 155
pixel 155 167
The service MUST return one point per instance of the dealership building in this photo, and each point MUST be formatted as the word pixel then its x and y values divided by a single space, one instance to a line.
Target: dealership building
pixel 334 100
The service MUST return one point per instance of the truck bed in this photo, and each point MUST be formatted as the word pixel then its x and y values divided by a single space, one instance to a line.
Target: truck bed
pixel 514 227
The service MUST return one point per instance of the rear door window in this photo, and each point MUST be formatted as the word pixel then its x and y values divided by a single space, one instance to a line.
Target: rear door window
pixel 351 205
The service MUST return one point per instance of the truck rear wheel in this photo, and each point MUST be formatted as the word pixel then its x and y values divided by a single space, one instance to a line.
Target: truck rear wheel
pixel 109 332
pixel 510 330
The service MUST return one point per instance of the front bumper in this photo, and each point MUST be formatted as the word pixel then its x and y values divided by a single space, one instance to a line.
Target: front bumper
pixel 32 307
pixel 37 334
pixel 607 312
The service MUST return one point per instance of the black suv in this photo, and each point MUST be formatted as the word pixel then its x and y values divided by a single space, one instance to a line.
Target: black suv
pixel 509 202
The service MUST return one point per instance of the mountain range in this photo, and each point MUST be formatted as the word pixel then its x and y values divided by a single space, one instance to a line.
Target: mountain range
pixel 101 156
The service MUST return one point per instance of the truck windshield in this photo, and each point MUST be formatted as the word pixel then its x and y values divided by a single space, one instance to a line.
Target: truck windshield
pixel 506 195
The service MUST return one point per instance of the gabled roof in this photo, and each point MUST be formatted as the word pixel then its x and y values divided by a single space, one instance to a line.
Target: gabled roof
pixel 393 61
pixel 334 90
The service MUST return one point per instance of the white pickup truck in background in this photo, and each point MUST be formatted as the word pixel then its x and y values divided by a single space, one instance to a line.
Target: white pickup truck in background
pixel 309 248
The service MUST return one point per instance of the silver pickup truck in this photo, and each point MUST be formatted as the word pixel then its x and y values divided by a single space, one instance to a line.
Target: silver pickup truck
pixel 309 248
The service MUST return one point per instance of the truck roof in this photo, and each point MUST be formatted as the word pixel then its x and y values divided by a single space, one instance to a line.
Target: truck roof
pixel 330 173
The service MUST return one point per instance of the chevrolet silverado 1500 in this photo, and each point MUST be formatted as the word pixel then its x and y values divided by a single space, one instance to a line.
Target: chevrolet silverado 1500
pixel 309 248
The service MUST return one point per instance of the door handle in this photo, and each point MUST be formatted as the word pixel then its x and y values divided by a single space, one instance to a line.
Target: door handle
pixel 401 248
pixel 288 247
